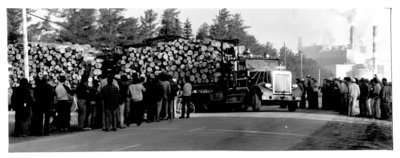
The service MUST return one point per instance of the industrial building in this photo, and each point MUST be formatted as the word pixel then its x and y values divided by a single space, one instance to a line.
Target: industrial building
pixel 354 60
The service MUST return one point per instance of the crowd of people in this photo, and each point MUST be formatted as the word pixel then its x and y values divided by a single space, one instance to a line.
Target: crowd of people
pixel 350 96
pixel 115 101
pixel 112 102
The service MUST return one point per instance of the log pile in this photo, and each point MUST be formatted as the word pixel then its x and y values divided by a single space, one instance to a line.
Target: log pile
pixel 52 60
pixel 197 59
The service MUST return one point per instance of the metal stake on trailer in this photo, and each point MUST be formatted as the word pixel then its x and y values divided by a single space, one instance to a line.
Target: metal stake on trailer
pixel 25 38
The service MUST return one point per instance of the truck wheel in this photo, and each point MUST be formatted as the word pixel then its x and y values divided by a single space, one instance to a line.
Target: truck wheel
pixel 255 102
pixel 292 107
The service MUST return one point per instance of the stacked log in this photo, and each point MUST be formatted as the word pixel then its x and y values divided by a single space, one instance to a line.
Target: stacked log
pixel 196 59
pixel 53 60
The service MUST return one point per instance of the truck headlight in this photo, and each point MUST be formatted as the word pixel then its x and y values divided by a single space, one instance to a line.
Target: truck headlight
pixel 268 85
pixel 295 86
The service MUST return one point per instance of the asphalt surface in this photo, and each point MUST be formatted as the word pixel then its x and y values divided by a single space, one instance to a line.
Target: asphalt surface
pixel 272 129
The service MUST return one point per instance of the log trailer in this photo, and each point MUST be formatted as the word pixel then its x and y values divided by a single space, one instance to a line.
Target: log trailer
pixel 247 81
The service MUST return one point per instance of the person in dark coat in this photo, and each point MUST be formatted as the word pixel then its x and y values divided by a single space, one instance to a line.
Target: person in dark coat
pixel 153 98
pixel 123 107
pixel 386 98
pixel 44 96
pixel 111 96
pixel 82 93
pixel 22 101
pixel 93 119
pixel 364 89
pixel 325 90
pixel 310 93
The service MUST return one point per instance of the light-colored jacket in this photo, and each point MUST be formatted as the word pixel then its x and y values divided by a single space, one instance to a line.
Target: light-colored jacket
pixel 354 90
pixel 187 89
pixel 61 92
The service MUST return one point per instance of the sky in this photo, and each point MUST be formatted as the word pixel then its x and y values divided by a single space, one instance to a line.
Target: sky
pixel 285 26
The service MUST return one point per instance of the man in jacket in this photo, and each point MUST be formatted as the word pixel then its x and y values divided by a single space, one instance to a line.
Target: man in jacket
pixel 44 96
pixel 111 96
pixel 64 102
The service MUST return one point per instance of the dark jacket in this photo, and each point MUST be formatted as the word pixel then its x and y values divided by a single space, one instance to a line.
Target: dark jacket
pixel 44 96
pixel 82 91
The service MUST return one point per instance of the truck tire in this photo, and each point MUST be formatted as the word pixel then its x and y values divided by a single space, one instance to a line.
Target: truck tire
pixel 292 107
pixel 255 102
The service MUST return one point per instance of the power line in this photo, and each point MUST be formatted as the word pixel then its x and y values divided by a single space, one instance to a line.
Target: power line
pixel 45 19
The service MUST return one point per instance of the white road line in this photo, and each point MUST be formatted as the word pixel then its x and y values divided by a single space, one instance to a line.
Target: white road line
pixel 194 130
pixel 128 147
pixel 261 132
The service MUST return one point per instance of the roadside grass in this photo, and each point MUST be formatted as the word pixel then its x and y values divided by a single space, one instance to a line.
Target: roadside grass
pixel 348 136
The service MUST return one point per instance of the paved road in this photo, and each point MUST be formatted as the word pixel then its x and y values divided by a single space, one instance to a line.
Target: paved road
pixel 271 129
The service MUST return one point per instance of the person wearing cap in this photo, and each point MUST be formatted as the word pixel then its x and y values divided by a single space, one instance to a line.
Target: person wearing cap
pixel 354 92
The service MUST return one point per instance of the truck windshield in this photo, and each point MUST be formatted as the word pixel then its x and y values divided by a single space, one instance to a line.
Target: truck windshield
pixel 261 65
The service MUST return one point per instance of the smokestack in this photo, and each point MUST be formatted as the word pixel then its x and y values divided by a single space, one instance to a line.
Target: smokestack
pixel 300 43
pixel 374 32
pixel 351 37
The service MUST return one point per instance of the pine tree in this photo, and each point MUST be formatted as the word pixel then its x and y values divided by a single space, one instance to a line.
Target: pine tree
pixel 79 26
pixel 148 24
pixel 109 22
pixel 187 29
pixel 170 24
pixel 203 31
pixel 14 24
pixel 219 28
pixel 129 31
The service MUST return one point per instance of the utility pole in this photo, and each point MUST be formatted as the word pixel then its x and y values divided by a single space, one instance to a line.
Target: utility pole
pixel 319 75
pixel 373 49
pixel 301 64
pixel 391 59
pixel 284 49
pixel 25 39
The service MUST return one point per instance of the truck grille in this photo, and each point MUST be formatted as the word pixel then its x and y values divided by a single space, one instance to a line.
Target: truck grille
pixel 282 84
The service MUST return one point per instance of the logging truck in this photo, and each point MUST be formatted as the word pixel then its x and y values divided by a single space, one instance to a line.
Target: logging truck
pixel 248 81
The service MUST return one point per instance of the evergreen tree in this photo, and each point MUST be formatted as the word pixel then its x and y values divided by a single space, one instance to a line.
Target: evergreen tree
pixel 42 31
pixel 187 29
pixel 203 31
pixel 219 28
pixel 14 24
pixel 109 22
pixel 170 24
pixel 148 24
pixel 129 31
pixel 79 26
